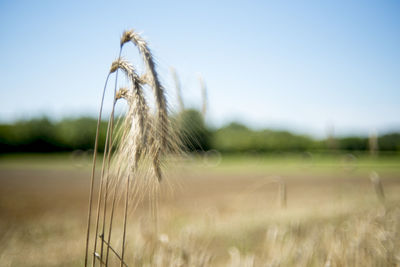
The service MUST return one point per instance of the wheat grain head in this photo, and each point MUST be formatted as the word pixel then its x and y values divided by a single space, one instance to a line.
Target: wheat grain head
pixel 161 130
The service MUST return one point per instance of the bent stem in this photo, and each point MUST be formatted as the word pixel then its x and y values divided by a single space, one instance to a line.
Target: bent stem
pixel 100 196
pixel 110 144
pixel 106 149
pixel 93 172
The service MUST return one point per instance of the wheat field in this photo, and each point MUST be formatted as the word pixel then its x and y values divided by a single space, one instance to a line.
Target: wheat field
pixel 213 212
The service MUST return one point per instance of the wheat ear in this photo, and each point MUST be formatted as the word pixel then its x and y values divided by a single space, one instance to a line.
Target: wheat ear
pixel 160 132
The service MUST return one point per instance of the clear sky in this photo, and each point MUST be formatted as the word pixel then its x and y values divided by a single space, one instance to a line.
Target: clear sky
pixel 297 65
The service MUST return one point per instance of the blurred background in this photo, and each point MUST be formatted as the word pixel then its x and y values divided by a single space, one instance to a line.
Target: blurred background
pixel 316 71
pixel 268 96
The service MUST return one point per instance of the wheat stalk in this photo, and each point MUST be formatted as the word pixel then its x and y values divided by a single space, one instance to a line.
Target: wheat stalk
pixel 282 193
pixel 378 187
pixel 142 136
pixel 178 89
pixel 373 143
pixel 134 136
pixel 106 155
pixel 93 171
pixel 203 96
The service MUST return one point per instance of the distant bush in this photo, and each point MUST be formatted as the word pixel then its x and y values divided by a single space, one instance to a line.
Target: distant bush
pixel 353 143
pixel 238 138
pixel 389 142
pixel 29 136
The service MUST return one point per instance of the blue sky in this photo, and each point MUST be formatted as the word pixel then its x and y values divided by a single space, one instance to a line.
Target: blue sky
pixel 297 65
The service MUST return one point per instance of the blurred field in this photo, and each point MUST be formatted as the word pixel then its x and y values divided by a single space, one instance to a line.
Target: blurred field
pixel 217 211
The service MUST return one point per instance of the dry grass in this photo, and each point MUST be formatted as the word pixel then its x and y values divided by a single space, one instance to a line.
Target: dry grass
pixel 215 217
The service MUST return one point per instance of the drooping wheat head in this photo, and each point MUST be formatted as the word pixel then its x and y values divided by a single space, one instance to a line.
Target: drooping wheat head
pixel 136 125
pixel 140 141
pixel 160 132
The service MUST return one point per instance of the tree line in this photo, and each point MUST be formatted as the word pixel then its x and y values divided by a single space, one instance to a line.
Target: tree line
pixel 44 135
